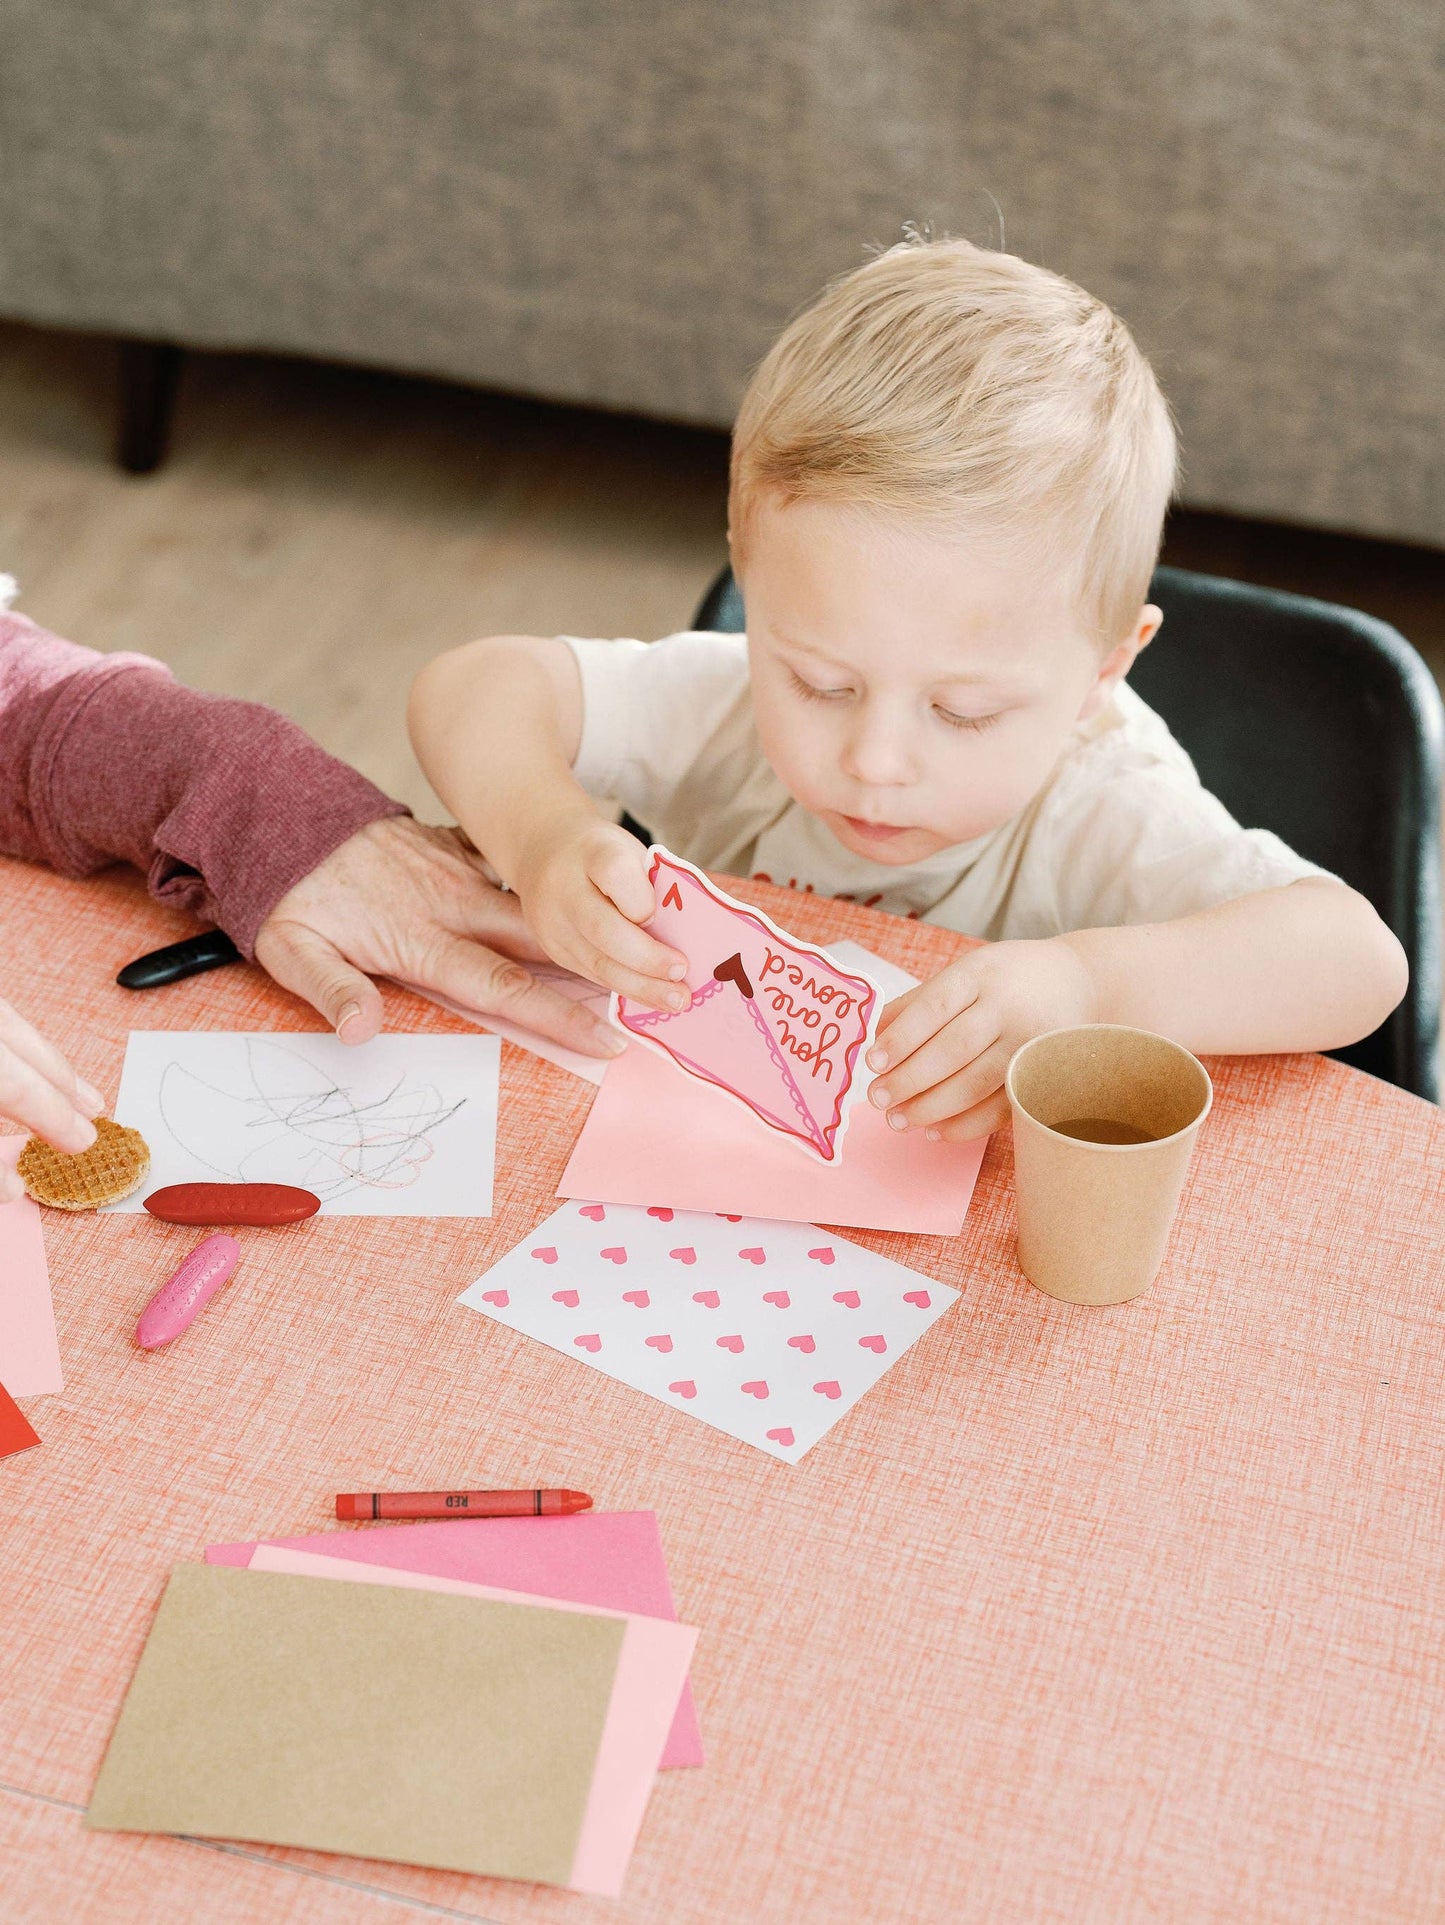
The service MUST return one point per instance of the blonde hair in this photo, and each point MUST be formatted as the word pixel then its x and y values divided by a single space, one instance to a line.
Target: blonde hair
pixel 945 381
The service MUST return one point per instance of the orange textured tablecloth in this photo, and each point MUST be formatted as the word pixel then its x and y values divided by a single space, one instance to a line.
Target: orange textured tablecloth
pixel 1080 1616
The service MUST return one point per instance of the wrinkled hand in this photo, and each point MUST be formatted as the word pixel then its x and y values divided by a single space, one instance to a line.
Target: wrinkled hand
pixel 584 888
pixel 946 1045
pixel 405 900
pixel 42 1093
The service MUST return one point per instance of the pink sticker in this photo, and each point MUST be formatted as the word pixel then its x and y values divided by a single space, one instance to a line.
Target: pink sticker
pixel 773 1021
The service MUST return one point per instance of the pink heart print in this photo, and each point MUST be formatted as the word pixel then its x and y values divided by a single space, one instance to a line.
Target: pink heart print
pixel 685 1255
pixel 773 1021
pixel 663 1216
pixel 662 1343
pixel 687 1388
pixel 783 1437
pixel 639 1297
pixel 592 1342
pixel 779 1297
pixel 920 1297
pixel 546 1253
pixel 753 1256
pixel 830 1390
pixel 709 1299
pixel 616 1254
pixel 824 1255
pixel 726 1218
pixel 849 1299
pixel 876 1344
pixel 498 1297
pixel 569 1298
pixel 758 1390
pixel 593 1210
pixel 806 1344
pixel 734 1344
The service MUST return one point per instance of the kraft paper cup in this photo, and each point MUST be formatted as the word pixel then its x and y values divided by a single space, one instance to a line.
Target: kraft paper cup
pixel 1094 1218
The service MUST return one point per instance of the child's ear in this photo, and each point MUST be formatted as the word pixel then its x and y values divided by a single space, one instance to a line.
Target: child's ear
pixel 1120 659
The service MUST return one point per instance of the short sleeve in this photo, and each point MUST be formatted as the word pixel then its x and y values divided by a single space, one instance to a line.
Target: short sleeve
pixel 649 709
pixel 1150 844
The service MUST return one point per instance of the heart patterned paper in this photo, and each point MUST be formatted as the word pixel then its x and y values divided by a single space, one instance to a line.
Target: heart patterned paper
pixel 768 1331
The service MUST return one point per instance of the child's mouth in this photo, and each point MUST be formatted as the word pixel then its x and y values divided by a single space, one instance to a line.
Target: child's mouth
pixel 873 831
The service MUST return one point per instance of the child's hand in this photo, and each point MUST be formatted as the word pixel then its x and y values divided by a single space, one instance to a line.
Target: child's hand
pixel 584 889
pixel 42 1093
pixel 946 1045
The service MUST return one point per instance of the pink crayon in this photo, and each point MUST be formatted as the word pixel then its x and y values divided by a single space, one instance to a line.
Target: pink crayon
pixel 180 1300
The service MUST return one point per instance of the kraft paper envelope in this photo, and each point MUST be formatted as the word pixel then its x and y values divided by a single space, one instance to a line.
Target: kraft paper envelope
pixel 651 1672
pixel 454 1732
pixel 612 1559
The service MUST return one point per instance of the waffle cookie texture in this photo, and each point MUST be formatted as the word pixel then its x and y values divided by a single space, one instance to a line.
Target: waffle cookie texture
pixel 115 1164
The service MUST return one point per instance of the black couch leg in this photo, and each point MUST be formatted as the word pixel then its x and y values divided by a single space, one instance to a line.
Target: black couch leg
pixel 149 371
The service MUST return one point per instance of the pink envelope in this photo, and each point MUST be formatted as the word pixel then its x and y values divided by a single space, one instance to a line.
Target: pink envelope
pixel 651 1673
pixel 654 1137
pixel 29 1353
pixel 773 1021
pixel 610 1559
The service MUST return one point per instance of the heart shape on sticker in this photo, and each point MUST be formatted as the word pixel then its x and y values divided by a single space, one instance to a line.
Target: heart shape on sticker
pixel 592 1342
pixel 753 1256
pixel 662 1343
pixel 783 1437
pixel 639 1297
pixel 758 1389
pixel 806 1344
pixel 593 1210
pixel 779 1297
pixel 568 1297
pixel 616 1254
pixel 687 1388
pixel 920 1297
pixel 663 1216
pixel 498 1297
pixel 546 1253
pixel 830 1389
pixel 849 1299
pixel 709 1299
pixel 823 1255
pixel 685 1255
pixel 876 1344
pixel 734 1344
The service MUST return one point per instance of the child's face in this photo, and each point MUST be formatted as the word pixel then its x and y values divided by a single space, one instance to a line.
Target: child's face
pixel 911 691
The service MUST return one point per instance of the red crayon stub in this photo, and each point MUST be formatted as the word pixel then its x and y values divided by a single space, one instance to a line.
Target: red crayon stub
pixel 262 1204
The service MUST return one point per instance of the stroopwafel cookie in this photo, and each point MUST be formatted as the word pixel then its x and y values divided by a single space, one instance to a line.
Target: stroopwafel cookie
pixel 117 1162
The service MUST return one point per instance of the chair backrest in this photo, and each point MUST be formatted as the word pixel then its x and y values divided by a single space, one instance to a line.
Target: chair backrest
pixel 1321 724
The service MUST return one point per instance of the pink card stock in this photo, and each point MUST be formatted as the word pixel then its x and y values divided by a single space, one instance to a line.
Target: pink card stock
pixel 768 1331
pixel 774 1022
pixel 610 1559
pixel 651 1672
pixel 29 1353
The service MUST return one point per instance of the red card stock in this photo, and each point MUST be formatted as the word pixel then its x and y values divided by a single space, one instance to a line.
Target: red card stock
pixel 15 1430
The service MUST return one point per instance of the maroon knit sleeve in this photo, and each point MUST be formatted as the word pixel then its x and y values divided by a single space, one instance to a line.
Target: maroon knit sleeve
pixel 221 803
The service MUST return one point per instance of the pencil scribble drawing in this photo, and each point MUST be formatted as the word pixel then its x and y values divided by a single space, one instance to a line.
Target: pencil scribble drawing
pixel 286 1119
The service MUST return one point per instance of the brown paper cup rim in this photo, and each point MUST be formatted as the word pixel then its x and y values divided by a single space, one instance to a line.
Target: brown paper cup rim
pixel 1127 1029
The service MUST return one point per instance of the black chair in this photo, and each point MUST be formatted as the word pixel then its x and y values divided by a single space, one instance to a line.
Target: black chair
pixel 1321 724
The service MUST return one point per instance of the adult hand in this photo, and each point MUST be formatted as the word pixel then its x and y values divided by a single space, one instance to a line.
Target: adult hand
pixel 42 1093
pixel 405 900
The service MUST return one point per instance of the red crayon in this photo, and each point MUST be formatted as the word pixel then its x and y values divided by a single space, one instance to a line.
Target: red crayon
pixel 358 1506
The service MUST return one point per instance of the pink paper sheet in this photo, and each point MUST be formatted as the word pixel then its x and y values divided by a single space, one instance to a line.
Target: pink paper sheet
pixel 651 1672
pixel 655 1135
pixel 29 1353
pixel 611 1559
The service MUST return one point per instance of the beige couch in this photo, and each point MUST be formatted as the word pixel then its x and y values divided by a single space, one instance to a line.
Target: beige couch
pixel 615 203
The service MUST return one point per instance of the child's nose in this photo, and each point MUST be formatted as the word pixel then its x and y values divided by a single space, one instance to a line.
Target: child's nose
pixel 878 753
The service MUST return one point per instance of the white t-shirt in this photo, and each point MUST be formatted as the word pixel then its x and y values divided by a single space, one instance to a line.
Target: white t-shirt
pixel 1122 831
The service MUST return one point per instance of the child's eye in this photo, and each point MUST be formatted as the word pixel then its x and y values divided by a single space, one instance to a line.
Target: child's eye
pixel 811 694
pixel 966 721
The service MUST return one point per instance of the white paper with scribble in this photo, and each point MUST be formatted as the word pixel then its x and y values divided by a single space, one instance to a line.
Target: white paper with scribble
pixel 400 1126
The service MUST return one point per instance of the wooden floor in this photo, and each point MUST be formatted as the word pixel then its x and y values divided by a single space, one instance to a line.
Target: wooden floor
pixel 317 533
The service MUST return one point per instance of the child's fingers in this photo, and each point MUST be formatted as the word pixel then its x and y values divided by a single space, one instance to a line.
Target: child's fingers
pixel 982 1120
pixel 947 1051
pixel 908 1022
pixel 616 952
pixel 619 873
pixel 954 1094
